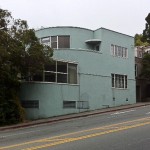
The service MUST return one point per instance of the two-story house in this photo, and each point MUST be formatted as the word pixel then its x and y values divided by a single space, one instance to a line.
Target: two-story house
pixel 142 84
pixel 93 69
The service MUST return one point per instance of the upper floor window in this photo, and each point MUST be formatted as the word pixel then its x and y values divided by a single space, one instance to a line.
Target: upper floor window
pixel 119 51
pixel 61 41
pixel 97 47
pixel 93 44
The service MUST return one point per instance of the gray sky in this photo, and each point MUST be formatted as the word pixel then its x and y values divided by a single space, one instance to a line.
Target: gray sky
pixel 126 16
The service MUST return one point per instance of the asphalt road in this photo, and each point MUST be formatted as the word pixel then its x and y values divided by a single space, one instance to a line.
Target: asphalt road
pixel 122 130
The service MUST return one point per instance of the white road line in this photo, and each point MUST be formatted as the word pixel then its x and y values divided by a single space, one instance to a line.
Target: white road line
pixel 122 112
pixel 22 133
pixel 147 113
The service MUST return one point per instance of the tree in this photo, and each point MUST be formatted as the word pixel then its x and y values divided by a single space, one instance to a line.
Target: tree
pixel 144 39
pixel 138 40
pixel 146 66
pixel 146 31
pixel 21 55
pixel 146 59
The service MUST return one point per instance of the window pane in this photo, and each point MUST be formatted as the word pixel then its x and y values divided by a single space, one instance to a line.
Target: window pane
pixel 53 38
pixel 54 41
pixel 50 77
pixel 126 52
pixel 136 70
pixel 112 49
pixel 45 40
pixel 69 104
pixel 116 50
pixel 61 78
pixel 126 82
pixel 54 44
pixel 122 49
pixel 119 51
pixel 38 77
pixel 72 73
pixel 51 67
pixel 116 81
pixel 119 81
pixel 112 80
pixel 122 81
pixel 63 41
pixel 61 67
pixel 97 47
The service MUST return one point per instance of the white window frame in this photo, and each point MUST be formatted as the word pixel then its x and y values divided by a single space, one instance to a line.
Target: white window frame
pixel 118 51
pixel 46 43
pixel 116 80
pixel 50 43
pixel 56 73
pixel 70 105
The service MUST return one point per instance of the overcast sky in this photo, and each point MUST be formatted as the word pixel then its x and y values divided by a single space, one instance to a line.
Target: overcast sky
pixel 125 16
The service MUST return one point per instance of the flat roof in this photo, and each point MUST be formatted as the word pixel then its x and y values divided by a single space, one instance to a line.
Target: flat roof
pixel 114 31
pixel 42 28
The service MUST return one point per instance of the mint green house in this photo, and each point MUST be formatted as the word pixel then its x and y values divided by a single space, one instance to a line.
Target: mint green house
pixel 92 70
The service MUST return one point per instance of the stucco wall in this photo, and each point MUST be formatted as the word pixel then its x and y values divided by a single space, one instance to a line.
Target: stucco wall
pixel 94 74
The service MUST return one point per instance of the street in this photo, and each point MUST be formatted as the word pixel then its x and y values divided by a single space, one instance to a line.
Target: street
pixel 120 130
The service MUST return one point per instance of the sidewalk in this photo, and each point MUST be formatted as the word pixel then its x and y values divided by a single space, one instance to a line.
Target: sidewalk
pixel 73 116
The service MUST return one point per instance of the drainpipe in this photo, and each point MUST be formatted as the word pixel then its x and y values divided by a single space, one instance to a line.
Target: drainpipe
pixel 79 90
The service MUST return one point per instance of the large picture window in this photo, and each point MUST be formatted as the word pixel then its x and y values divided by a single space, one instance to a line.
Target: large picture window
pixel 119 51
pixel 119 81
pixel 59 72
pixel 56 42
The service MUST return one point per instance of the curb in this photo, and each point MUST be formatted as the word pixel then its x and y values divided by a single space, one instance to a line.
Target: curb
pixel 73 116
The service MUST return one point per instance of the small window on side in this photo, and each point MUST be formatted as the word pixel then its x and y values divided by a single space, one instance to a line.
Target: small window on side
pixel 97 47
pixel 69 104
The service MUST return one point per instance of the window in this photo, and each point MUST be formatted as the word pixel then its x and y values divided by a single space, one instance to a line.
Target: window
pixel 97 47
pixel 62 41
pixel 72 73
pixel 136 70
pixel 119 51
pixel 119 81
pixel 59 72
pixel 45 41
pixel 30 103
pixel 69 104
pixel 76 104
pixel 37 77
pixel 49 72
